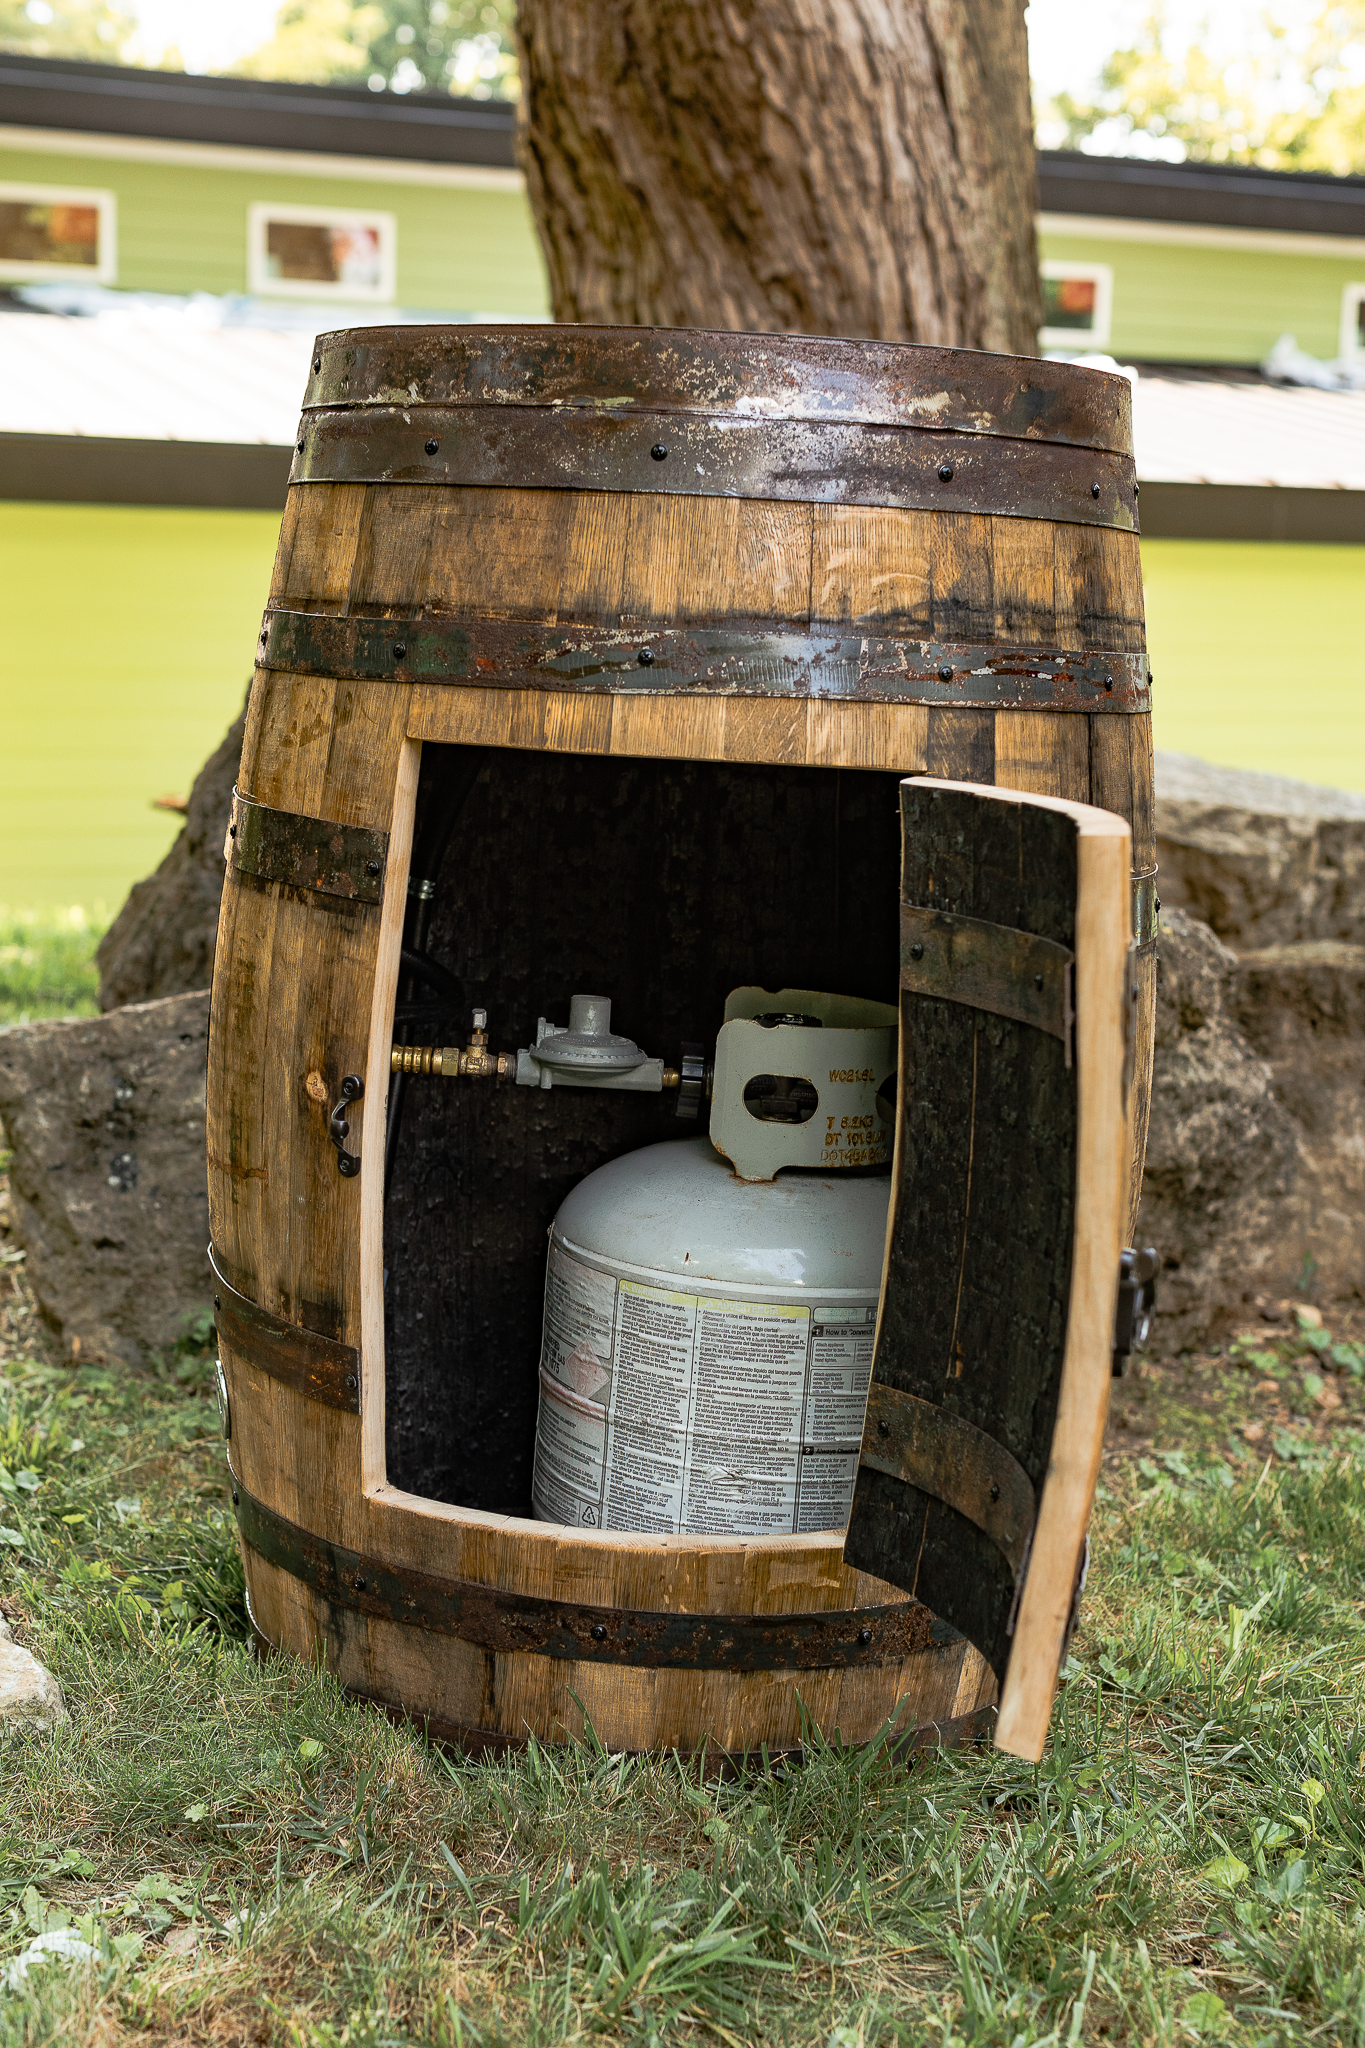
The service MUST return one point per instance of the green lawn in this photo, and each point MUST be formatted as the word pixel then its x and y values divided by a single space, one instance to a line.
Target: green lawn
pixel 132 631
pixel 253 1858
pixel 47 965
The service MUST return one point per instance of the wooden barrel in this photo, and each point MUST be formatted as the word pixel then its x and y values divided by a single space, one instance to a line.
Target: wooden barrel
pixel 592 660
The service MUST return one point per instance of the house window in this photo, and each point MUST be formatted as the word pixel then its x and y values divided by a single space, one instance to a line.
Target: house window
pixel 51 231
pixel 1353 323
pixel 321 252
pixel 1077 298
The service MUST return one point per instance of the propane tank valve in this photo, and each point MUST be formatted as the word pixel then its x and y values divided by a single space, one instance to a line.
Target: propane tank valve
pixel 586 1053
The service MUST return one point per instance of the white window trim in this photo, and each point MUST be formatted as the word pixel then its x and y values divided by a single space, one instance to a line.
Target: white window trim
pixel 104 270
pixel 1350 345
pixel 259 280
pixel 1101 275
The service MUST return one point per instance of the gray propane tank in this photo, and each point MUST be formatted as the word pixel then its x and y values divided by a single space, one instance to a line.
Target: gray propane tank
pixel 707 1341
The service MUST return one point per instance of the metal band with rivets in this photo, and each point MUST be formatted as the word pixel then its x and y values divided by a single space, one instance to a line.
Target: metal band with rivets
pixel 319 1367
pixel 742 657
pixel 493 1619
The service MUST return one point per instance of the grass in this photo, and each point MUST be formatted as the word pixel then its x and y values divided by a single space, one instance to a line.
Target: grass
pixel 252 1858
pixel 47 964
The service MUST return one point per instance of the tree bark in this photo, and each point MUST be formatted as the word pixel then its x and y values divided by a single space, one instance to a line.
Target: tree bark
pixel 859 167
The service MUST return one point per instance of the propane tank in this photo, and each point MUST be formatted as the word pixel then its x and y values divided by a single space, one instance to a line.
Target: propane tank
pixel 711 1302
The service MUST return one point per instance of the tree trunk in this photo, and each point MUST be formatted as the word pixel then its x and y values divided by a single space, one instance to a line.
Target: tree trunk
pixel 859 167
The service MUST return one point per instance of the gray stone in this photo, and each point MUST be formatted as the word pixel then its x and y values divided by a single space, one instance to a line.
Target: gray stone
pixel 1255 1180
pixel 1302 1010
pixel 1265 861
pixel 1184 778
pixel 162 941
pixel 105 1120
pixel 30 1697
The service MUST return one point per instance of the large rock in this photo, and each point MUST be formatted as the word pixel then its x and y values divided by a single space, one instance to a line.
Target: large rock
pixel 161 943
pixel 1256 1152
pixel 1263 860
pixel 105 1121
pixel 1302 1010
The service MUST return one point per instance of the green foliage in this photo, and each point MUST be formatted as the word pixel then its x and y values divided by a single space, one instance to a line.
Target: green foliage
pixel 65 28
pixel 242 1853
pixel 459 46
pixel 1282 100
pixel 317 41
pixel 47 965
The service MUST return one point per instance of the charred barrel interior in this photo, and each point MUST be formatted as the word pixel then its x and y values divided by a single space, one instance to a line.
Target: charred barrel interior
pixel 665 883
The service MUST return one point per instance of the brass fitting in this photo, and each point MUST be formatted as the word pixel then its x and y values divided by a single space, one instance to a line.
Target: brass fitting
pixel 473 1062
pixel 468 1063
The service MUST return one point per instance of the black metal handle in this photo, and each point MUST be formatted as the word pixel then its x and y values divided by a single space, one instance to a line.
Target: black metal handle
pixel 1136 1303
pixel 338 1130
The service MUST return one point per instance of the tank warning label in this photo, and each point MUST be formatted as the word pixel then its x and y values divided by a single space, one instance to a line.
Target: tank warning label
pixel 691 1415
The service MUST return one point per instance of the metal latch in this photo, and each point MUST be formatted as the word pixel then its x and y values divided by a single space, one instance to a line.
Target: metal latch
pixel 1136 1303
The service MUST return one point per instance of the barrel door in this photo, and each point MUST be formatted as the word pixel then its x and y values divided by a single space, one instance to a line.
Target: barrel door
pixel 992 1364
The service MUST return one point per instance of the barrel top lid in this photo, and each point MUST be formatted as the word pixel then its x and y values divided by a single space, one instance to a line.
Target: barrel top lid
pixel 667 370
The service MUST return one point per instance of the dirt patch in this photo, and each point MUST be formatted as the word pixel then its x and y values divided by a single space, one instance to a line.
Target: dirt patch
pixel 1284 1386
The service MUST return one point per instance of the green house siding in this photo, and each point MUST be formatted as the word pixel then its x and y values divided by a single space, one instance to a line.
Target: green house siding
pixel 99 717
pixel 183 228
pixel 1196 303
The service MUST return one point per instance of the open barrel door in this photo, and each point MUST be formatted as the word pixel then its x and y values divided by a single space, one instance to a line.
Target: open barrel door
pixel 992 1365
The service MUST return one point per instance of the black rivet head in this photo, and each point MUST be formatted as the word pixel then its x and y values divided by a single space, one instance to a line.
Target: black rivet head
pixel 1156 903
pixel 1109 682
pixel 299 445
pixel 883 1429
pixel 359 1583
pixel 216 1303
pixel 432 446
pixel 265 634
pixel 372 867
pixel 1094 490
pixel 645 658
pixel 1037 981
pixel 599 1633
pixel 352 1381
pixel 317 364
pixel 235 1496
pixel 917 951
pixel 1149 679
pixel 995 1493
pixel 945 472
pixel 1136 489
pixel 945 675
pixel 400 649
pixel 864 1636
pixel 232 831
pixel 659 452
